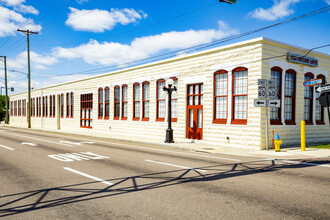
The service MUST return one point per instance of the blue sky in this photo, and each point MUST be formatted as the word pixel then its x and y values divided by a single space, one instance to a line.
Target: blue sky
pixel 76 36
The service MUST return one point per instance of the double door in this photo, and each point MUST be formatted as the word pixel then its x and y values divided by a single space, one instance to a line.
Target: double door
pixel 195 111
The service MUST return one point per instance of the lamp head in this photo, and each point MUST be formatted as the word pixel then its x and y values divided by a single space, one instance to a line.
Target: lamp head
pixel 170 82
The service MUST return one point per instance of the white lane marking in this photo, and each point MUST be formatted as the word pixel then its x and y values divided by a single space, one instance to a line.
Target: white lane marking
pixel 76 143
pixel 27 143
pixel 88 176
pixel 2 130
pixel 303 163
pixel 38 139
pixel 70 157
pixel 173 165
pixel 9 148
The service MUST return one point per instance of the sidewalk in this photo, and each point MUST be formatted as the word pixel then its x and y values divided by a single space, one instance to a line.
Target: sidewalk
pixel 293 152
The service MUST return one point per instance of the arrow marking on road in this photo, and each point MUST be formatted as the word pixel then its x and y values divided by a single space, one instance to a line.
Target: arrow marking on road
pixel 27 143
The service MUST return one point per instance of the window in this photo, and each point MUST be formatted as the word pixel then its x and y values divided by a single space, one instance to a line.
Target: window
pixel 107 102
pixel 67 105
pixel 11 108
pixel 124 102
pixel 319 110
pixel 39 106
pixel 145 101
pixel 308 100
pixel 19 107
pixel 174 101
pixel 53 105
pixel 160 100
pixel 290 99
pixel 240 80
pixel 195 94
pixel 117 103
pixel 33 107
pixel 71 105
pixel 44 106
pixel 15 108
pixel 62 105
pixel 100 107
pixel 220 97
pixel 24 107
pixel 275 113
pixel 86 111
pixel 136 101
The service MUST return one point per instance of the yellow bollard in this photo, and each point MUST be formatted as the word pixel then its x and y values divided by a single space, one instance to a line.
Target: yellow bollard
pixel 302 137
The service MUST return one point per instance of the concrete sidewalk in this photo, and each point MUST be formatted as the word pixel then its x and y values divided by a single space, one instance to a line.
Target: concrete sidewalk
pixel 293 152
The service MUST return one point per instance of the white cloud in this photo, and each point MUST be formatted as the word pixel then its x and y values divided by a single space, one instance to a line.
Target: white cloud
pixel 100 20
pixel 280 9
pixel 81 1
pixel 12 3
pixel 26 9
pixel 112 53
pixel 11 20
pixel 328 2
pixel 37 61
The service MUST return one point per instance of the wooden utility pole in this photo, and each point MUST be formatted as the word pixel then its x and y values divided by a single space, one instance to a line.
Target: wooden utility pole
pixel 6 88
pixel 28 33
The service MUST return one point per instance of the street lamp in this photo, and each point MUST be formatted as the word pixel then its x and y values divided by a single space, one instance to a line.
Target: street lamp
pixel 169 130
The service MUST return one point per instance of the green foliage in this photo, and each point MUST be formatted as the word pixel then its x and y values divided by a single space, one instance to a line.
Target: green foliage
pixel 325 146
pixel 2 107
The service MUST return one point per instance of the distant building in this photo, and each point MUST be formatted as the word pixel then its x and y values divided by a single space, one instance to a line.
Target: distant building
pixel 214 102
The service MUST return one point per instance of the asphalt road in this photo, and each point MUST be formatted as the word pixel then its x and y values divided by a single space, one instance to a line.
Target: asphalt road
pixel 55 176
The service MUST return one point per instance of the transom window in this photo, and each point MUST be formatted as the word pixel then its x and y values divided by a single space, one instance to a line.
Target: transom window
pixel 220 96
pixel 195 94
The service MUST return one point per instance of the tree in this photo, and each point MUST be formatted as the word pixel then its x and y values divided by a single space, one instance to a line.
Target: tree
pixel 2 107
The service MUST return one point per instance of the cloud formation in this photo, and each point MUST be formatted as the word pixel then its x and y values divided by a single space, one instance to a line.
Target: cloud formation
pixel 37 61
pixel 100 20
pixel 280 9
pixel 112 53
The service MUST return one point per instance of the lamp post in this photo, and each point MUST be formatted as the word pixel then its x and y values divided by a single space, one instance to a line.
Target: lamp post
pixel 169 130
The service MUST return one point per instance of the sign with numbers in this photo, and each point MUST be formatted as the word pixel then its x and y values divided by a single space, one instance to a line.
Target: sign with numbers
pixel 262 92
pixel 272 93
pixel 262 82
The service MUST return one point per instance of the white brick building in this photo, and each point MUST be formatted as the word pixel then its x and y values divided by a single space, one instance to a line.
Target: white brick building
pixel 214 102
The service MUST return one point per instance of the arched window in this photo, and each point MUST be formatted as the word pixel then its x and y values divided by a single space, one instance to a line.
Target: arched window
pixel 62 105
pixel 106 103
pixel 319 110
pixel 136 101
pixel 116 103
pixel 275 113
pixel 71 104
pixel 220 94
pixel 160 102
pixel 239 96
pixel 174 101
pixel 308 100
pixel 100 105
pixel 124 102
pixel 290 97
pixel 145 100
pixel 67 105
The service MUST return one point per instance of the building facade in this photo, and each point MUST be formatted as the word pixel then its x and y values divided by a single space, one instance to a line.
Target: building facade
pixel 214 102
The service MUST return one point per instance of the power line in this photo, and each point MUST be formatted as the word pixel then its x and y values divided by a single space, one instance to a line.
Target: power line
pixel 206 45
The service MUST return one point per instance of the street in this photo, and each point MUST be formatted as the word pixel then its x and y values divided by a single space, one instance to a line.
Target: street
pixel 46 175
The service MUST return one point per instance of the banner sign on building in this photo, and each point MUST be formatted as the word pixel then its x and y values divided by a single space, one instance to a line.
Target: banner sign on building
pixel 295 58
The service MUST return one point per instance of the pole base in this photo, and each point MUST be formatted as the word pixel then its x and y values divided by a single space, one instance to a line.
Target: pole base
pixel 169 136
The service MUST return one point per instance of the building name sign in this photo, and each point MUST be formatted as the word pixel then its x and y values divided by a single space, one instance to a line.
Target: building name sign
pixel 295 58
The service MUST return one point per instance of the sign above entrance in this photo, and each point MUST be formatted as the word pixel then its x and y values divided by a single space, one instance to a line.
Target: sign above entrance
pixel 313 82
pixel 295 58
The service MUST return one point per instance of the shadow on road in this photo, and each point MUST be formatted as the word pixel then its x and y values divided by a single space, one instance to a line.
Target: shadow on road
pixel 45 198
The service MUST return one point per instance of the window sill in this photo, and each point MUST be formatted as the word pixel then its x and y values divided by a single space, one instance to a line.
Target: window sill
pixel 124 118
pixel 174 119
pixel 276 123
pixel 145 119
pixel 220 121
pixel 239 122
pixel 160 119
pixel 115 118
pixel 290 123
pixel 86 127
pixel 136 119
pixel 320 123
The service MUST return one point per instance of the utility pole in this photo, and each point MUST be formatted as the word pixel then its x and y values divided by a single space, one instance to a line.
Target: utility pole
pixel 28 33
pixel 6 88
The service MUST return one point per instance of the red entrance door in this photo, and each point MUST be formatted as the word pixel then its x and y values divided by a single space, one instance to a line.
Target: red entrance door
pixel 195 111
